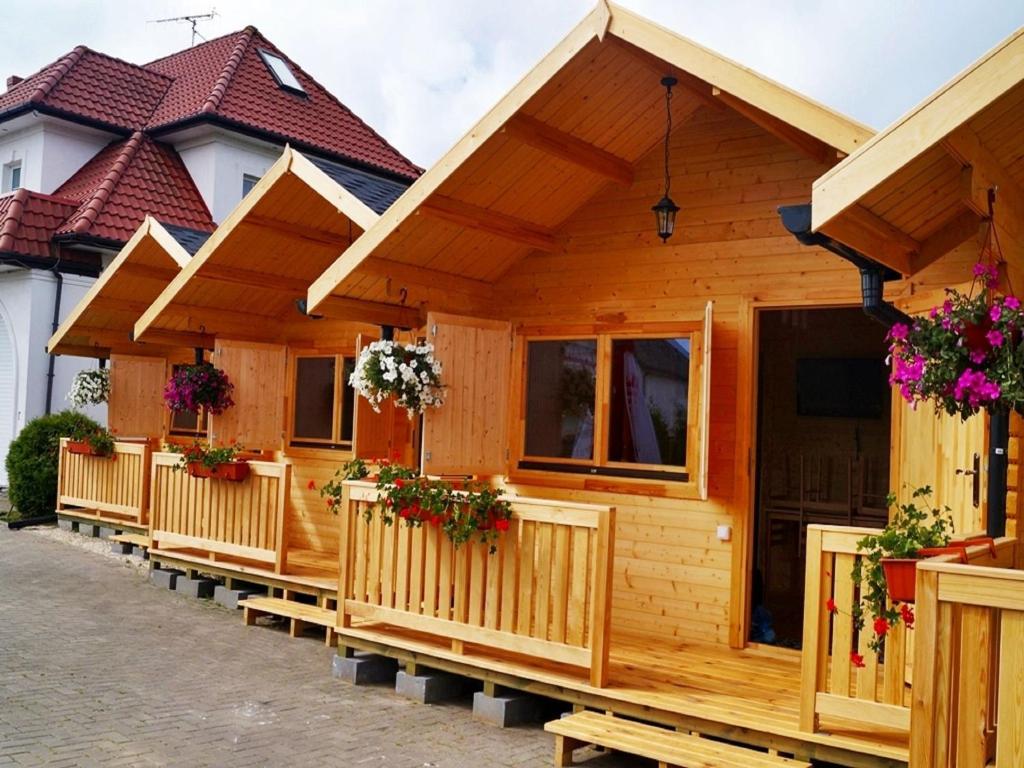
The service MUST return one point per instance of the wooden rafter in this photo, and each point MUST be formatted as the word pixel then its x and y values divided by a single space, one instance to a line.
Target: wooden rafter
pixel 312 234
pixel 804 142
pixel 658 68
pixel 983 172
pixel 164 274
pixel 370 312
pixel 955 232
pixel 252 278
pixel 565 146
pixel 869 240
pixel 404 275
pixel 492 222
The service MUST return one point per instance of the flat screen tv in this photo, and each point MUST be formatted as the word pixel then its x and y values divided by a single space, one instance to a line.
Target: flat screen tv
pixel 842 387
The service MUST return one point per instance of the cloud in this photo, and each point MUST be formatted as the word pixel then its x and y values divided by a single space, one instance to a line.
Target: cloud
pixel 422 72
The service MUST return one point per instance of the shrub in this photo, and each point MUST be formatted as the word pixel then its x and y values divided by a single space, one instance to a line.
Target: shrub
pixel 32 462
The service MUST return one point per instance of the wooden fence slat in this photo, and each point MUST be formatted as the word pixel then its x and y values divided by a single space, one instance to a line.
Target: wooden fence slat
pixel 1010 707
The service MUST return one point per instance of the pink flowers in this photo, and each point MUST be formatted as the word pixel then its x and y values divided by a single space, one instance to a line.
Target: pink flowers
pixel 899 332
pixel 989 273
pixel 199 386
pixel 994 337
pixel 976 388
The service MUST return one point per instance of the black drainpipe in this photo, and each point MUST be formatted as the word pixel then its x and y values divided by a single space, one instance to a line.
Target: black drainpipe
pixel 873 276
pixel 56 324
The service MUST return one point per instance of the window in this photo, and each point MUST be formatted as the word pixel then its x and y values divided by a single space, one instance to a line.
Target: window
pixel 248 182
pixel 614 404
pixel 12 176
pixel 282 72
pixel 322 416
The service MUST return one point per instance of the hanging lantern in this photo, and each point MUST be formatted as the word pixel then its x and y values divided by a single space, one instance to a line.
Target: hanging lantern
pixel 665 210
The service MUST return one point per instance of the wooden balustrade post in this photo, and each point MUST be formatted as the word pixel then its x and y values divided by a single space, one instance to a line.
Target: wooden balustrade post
pixel 601 609
pixel 284 485
pixel 345 516
pixel 814 655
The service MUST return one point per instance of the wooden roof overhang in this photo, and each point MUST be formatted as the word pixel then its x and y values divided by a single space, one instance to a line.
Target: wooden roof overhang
pixel 103 320
pixel 919 189
pixel 246 281
pixel 579 121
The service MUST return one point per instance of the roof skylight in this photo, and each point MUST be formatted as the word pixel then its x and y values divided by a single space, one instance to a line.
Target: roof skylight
pixel 281 71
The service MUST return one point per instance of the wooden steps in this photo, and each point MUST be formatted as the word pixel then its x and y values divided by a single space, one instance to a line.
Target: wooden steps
pixel 669 748
pixel 136 539
pixel 299 614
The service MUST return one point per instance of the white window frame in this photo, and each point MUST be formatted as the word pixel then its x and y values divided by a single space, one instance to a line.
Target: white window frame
pixel 15 166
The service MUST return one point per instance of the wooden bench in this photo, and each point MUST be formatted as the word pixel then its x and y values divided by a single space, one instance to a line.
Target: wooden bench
pixel 299 614
pixel 136 539
pixel 669 748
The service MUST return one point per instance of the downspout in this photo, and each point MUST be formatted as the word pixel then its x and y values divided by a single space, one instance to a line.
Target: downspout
pixel 51 365
pixel 873 276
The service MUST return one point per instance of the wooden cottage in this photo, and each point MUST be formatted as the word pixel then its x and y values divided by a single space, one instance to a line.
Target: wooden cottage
pixel 242 296
pixel 115 492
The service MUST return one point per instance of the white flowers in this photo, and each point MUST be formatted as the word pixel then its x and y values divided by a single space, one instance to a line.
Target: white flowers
pixel 407 372
pixel 90 387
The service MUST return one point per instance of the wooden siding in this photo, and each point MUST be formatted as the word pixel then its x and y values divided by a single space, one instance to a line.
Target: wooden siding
pixel 136 407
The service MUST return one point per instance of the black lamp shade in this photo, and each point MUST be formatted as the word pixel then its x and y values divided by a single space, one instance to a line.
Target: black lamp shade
pixel 665 212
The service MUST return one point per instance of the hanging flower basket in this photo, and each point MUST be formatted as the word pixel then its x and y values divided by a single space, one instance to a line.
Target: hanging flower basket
pixel 966 354
pixel 91 387
pixel 200 386
pixel 900 578
pixel 406 372
pixel 91 442
pixel 84 448
pixel 235 471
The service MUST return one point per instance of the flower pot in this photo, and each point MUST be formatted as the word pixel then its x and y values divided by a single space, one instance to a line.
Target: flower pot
pixel 900 578
pixel 959 548
pixel 235 471
pixel 84 448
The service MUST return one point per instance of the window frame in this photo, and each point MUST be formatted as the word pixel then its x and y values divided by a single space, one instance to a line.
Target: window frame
pixel 599 472
pixel 334 443
pixel 249 177
pixel 268 58
pixel 8 175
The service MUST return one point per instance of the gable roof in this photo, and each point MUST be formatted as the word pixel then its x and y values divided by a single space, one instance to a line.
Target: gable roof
pixel 916 190
pixel 125 182
pixel 580 119
pixel 102 321
pixel 28 220
pixel 222 81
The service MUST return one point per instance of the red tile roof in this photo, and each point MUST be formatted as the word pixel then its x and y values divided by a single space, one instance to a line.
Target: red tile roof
pixel 28 220
pixel 224 80
pixel 125 182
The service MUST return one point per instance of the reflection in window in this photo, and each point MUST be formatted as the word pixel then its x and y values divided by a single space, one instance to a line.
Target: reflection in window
pixel 348 399
pixel 650 381
pixel 561 379
pixel 314 398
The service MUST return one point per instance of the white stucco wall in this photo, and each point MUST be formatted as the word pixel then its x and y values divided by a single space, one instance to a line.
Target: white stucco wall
pixel 26 301
pixel 217 162
pixel 50 150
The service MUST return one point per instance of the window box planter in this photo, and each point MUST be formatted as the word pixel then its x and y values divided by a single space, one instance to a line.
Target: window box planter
pixel 84 448
pixel 235 471
pixel 901 573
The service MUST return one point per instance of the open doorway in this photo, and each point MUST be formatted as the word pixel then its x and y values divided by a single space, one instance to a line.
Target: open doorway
pixel 823 437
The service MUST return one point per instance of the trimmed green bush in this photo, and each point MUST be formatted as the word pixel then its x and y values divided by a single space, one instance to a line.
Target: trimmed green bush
pixel 32 462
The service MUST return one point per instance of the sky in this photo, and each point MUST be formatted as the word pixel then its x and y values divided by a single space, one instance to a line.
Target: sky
pixel 421 72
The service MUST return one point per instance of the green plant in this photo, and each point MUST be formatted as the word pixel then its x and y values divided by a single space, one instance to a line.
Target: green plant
pixel 100 440
pixel 32 461
pixel 353 469
pixel 910 529
pixel 199 453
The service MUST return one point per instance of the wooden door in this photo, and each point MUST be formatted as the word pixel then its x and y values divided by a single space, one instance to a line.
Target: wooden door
pixel 943 452
pixel 389 434
pixel 468 435
pixel 258 371
pixel 136 406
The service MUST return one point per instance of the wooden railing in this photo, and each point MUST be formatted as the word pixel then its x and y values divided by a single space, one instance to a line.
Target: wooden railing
pixel 219 518
pixel 545 592
pixel 112 489
pixel 831 685
pixel 968 697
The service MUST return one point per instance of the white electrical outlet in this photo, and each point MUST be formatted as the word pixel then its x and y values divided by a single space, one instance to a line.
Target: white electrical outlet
pixel 724 533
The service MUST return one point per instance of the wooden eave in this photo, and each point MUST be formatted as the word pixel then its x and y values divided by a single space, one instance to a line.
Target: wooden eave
pixel 102 321
pixel 245 280
pixel 919 188
pixel 576 123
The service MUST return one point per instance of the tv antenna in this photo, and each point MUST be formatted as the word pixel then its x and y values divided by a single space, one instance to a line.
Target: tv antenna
pixel 192 19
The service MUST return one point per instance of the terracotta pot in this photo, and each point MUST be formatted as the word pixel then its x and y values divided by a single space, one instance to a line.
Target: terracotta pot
pixel 84 448
pixel 900 578
pixel 235 471
pixel 959 548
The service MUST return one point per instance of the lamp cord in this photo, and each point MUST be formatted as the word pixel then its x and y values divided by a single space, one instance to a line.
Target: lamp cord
pixel 668 132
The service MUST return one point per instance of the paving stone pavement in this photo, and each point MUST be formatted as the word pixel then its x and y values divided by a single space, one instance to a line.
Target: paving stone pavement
pixel 98 667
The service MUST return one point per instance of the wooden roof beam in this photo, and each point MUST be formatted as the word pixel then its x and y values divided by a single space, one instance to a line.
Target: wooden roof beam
pixel 983 172
pixel 164 274
pixel 301 231
pixel 569 148
pixel 492 222
pixel 955 232
pixel 861 229
pixel 252 279
pixel 369 312
pixel 814 148
pixel 410 274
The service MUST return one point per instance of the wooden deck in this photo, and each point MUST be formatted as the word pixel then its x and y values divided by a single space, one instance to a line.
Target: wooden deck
pixel 750 696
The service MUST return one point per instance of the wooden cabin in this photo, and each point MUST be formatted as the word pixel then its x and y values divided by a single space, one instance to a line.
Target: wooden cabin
pixel 241 297
pixel 116 492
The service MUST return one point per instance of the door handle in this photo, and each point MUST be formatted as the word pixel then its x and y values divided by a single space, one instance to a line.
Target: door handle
pixel 975 474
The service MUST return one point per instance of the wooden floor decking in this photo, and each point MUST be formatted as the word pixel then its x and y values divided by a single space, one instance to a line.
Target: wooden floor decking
pixel 749 696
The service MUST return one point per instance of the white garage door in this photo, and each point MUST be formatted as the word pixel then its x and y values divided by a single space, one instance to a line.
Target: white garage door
pixel 6 395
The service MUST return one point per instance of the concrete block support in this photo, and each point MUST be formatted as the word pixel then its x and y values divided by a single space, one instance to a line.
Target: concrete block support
pixel 140 552
pixel 202 588
pixel 429 688
pixel 506 711
pixel 165 578
pixel 65 525
pixel 88 529
pixel 229 598
pixel 364 668
pixel 121 547
pixel 105 533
